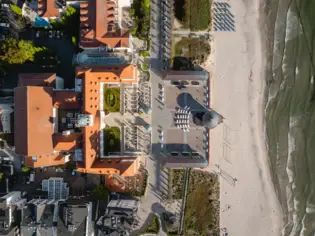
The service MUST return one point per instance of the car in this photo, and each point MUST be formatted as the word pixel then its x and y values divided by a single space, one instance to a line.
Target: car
pixel 50 33
pixel 58 34
pixel 37 34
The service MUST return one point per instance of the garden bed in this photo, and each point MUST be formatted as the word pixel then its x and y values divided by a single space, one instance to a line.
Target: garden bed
pixel 177 183
pixel 195 50
pixel 140 11
pixel 111 140
pixel 202 205
pixel 112 99
pixel 153 226
pixel 193 14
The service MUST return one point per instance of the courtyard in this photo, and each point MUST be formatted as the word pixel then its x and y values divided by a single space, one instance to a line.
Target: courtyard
pixel 111 140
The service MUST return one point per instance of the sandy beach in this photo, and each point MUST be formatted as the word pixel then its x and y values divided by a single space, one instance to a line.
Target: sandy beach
pixel 249 205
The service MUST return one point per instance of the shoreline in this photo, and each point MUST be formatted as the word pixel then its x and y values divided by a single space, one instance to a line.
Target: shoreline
pixel 255 188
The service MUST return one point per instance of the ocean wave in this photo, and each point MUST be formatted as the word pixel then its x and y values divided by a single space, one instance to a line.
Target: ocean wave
pixel 293 26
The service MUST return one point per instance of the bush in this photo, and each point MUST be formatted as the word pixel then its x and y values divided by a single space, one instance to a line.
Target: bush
pixel 133 31
pixel 144 53
pixel 74 40
pixel 140 9
pixel 153 226
pixel 26 169
pixel 16 9
pixel 111 140
pixel 100 193
pixel 145 66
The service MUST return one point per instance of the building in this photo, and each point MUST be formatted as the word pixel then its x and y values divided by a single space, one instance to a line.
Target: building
pixel 70 123
pixel 37 97
pixel 101 25
pixel 185 120
pixel 57 189
pixel 75 218
pixel 10 209
pixel 39 217
pixel 118 218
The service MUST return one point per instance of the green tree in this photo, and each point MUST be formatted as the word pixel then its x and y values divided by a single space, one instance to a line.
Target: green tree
pixel 16 9
pixel 146 3
pixel 18 52
pixel 1 176
pixel 26 169
pixel 100 192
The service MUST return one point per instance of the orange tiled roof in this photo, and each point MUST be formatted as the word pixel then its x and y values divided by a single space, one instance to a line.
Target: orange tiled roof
pixel 127 166
pixel 90 138
pixel 33 120
pixel 98 26
pixel 108 74
pixel 91 79
pixel 46 8
pixel 37 79
pixel 53 159
pixel 66 142
pixel 66 100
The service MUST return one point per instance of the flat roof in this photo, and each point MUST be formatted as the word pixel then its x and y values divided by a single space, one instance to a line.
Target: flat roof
pixel 181 148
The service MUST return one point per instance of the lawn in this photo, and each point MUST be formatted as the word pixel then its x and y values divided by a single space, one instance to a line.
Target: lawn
pixel 111 140
pixel 202 206
pixel 194 49
pixel 112 99
pixel 193 14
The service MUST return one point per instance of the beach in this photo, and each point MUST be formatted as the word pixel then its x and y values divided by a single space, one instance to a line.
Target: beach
pixel 238 148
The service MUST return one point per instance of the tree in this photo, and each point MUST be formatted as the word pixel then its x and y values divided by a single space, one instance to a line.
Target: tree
pixel 100 192
pixel 16 9
pixel 1 176
pixel 26 169
pixel 18 52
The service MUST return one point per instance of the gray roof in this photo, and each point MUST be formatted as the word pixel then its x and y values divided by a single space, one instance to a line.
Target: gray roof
pixel 73 217
pixel 184 162
pixel 186 75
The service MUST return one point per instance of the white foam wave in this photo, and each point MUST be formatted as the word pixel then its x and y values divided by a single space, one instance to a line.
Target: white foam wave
pixel 293 27
pixel 294 121
pixel 290 165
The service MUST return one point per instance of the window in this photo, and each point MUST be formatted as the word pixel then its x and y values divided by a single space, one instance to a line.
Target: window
pixel 195 83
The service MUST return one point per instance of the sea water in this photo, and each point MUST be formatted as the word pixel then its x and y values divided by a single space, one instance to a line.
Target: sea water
pixel 290 110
